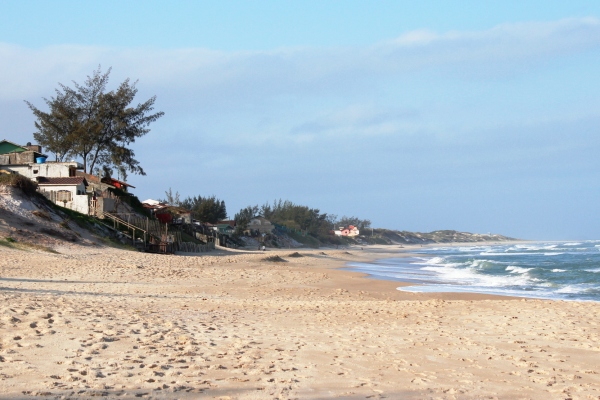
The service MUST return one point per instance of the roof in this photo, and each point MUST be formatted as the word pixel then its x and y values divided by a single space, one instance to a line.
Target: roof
pixel 113 181
pixel 229 222
pixel 224 226
pixel 89 177
pixel 10 147
pixel 76 180
pixel 7 147
pixel 151 202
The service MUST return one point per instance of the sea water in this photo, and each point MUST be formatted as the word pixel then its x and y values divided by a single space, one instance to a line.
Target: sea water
pixel 550 270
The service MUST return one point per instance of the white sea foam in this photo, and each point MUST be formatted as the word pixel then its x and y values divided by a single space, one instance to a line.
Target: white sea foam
pixel 474 249
pixel 506 254
pixel 542 294
pixel 573 289
pixel 434 260
pixel 470 276
pixel 535 247
pixel 507 269
pixel 517 270
pixel 483 264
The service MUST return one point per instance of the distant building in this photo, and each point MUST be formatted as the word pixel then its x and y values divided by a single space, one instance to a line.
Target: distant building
pixel 350 231
pixel 225 229
pixel 166 213
pixel 260 224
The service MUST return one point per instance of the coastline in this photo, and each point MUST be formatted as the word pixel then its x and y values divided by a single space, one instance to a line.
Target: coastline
pixel 105 322
pixel 407 251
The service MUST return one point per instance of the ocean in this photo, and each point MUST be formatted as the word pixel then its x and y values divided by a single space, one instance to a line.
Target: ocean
pixel 546 270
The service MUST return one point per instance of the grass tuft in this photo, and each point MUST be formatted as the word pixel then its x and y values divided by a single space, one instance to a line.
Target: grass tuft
pixel 13 244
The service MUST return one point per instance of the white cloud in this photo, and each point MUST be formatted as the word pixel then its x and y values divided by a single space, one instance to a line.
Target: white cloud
pixel 515 45
pixel 224 76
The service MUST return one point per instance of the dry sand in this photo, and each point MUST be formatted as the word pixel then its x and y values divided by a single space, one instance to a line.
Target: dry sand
pixel 117 324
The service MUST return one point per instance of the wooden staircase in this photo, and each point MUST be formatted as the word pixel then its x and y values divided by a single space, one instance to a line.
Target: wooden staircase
pixel 154 235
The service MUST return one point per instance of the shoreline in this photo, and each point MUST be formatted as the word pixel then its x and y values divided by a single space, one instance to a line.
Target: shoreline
pixel 405 252
pixel 111 323
pixel 458 289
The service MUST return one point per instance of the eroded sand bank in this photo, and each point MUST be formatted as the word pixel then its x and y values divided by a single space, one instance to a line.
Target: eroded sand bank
pixel 106 322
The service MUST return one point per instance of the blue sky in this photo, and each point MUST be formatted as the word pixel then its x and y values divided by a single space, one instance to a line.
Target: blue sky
pixel 477 115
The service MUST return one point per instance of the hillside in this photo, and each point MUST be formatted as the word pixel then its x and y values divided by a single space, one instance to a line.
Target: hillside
pixel 30 222
pixel 384 236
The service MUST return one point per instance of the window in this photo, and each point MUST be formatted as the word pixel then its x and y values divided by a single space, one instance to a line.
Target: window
pixel 35 171
pixel 63 195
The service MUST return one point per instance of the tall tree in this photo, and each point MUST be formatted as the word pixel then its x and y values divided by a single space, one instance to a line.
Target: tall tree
pixel 172 199
pixel 96 125
pixel 243 217
pixel 206 209
pixel 55 128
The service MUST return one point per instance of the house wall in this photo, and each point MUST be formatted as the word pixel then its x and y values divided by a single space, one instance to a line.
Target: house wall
pixel 48 170
pixel 79 202
pixel 260 224
pixel 105 204
pixel 347 232
pixel 23 157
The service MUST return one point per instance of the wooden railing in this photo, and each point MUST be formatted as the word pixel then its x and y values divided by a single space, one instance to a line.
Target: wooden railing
pixel 156 235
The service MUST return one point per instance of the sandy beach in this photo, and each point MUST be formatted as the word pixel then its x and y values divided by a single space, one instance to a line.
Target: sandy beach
pixel 94 321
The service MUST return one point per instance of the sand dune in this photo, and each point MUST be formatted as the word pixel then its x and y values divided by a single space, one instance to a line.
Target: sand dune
pixel 105 322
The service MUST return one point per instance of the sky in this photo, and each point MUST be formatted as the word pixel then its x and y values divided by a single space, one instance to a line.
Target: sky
pixel 479 116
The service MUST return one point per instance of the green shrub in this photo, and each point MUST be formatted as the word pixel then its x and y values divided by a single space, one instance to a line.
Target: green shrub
pixel 130 199
pixel 19 181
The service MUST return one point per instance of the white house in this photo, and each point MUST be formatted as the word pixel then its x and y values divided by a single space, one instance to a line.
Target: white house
pixel 349 231
pixel 49 169
pixel 68 192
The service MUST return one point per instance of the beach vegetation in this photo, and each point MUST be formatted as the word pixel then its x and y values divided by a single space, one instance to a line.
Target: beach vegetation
pixel 97 125
pixel 14 244
pixel 42 214
pixel 206 209
pixel 304 224
pixel 361 224
pixel 243 217
pixel 26 185
pixel 171 198
pixel 131 200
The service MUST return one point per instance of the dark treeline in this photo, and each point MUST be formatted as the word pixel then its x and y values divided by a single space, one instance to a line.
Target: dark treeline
pixel 310 221
pixel 298 217
pixel 204 209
